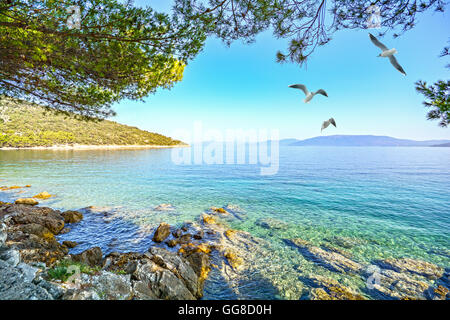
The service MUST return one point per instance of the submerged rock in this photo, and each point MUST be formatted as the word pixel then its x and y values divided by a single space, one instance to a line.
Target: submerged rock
pixel 43 195
pixel 419 267
pixel 389 284
pixel 27 201
pixel 162 232
pixel 329 289
pixel 271 223
pixel 164 207
pixel 328 259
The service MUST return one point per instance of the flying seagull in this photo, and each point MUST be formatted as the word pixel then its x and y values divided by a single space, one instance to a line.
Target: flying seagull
pixel 309 95
pixel 325 124
pixel 387 53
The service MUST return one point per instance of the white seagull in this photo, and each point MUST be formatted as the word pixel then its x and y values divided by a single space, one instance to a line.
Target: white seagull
pixel 325 124
pixel 309 95
pixel 387 53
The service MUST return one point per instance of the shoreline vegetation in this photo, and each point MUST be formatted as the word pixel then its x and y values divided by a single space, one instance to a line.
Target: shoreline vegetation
pixel 27 125
pixel 95 147
pixel 36 264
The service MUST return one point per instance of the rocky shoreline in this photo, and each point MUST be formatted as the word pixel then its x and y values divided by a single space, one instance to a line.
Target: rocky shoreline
pixel 180 260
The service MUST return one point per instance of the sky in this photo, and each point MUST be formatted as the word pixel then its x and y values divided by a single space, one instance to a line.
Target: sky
pixel 243 87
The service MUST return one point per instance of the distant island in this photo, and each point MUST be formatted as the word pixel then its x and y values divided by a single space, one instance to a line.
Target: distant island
pixel 363 141
pixel 26 125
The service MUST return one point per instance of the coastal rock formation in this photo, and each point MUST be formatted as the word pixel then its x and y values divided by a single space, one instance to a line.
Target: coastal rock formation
pixel 419 267
pixel 91 257
pixel 31 231
pixel 329 259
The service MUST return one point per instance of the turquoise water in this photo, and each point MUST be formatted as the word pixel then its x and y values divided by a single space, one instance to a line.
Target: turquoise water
pixel 396 201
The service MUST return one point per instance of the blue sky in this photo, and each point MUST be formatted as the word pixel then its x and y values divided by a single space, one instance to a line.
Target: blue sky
pixel 242 87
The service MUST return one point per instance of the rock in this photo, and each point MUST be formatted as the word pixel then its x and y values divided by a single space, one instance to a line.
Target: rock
pixel 27 201
pixel 71 216
pixel 155 282
pixel 346 242
pixel 36 229
pixel 92 257
pixel 43 195
pixel 49 218
pixel 28 272
pixel 185 238
pixel 219 210
pixel 179 267
pixel 298 242
pixel 162 232
pixel 233 259
pixel 3 234
pixel 10 256
pixel 208 219
pixel 64 230
pixel 419 267
pixel 438 293
pixel 389 284
pixel 164 207
pixel 330 260
pixel 199 235
pixel 177 233
pixel 15 285
pixel 329 247
pixel 69 244
pixel 270 223
pixel 103 286
pixel 172 243
pixel 329 289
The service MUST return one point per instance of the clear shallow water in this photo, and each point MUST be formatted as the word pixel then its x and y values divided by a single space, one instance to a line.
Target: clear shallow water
pixel 395 200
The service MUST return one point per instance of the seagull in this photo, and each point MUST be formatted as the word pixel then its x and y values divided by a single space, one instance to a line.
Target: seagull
pixel 309 95
pixel 325 124
pixel 387 53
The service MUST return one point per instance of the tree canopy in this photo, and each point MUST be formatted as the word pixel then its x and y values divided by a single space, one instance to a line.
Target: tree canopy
pixel 121 51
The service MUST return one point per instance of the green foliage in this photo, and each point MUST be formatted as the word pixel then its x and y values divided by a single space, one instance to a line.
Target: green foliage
pixel 120 52
pixel 61 270
pixel 438 99
pixel 30 125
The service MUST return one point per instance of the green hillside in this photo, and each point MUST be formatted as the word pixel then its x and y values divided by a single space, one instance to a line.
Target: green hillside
pixel 28 125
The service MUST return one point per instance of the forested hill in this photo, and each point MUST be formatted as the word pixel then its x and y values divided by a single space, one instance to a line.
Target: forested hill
pixel 28 125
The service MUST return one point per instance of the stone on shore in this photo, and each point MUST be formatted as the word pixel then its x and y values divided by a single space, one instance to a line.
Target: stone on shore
pixel 27 201
pixel 70 244
pixel 92 257
pixel 162 232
